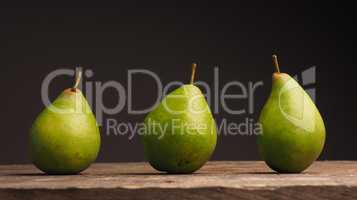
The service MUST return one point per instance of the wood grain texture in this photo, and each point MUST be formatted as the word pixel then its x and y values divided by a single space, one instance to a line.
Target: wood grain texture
pixel 224 179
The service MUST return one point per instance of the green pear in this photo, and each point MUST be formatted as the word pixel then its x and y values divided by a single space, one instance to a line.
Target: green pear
pixel 293 130
pixel 180 134
pixel 65 138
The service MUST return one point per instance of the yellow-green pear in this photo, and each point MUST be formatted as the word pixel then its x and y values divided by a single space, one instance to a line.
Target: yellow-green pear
pixel 65 138
pixel 293 130
pixel 180 132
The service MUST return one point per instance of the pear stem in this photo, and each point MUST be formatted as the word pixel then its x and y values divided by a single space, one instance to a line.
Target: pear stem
pixel 276 63
pixel 194 65
pixel 78 79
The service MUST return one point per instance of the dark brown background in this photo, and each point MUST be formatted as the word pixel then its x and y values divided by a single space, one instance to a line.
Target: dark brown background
pixel 165 38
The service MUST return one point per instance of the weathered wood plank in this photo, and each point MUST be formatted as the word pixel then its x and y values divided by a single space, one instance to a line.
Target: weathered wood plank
pixel 225 179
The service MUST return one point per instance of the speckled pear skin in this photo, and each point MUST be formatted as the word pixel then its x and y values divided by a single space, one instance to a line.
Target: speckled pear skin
pixel 187 147
pixel 293 129
pixel 67 140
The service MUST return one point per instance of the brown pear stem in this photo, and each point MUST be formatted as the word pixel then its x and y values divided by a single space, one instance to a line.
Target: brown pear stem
pixel 194 65
pixel 78 79
pixel 276 63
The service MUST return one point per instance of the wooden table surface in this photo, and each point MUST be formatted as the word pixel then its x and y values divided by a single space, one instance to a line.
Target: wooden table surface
pixel 219 179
